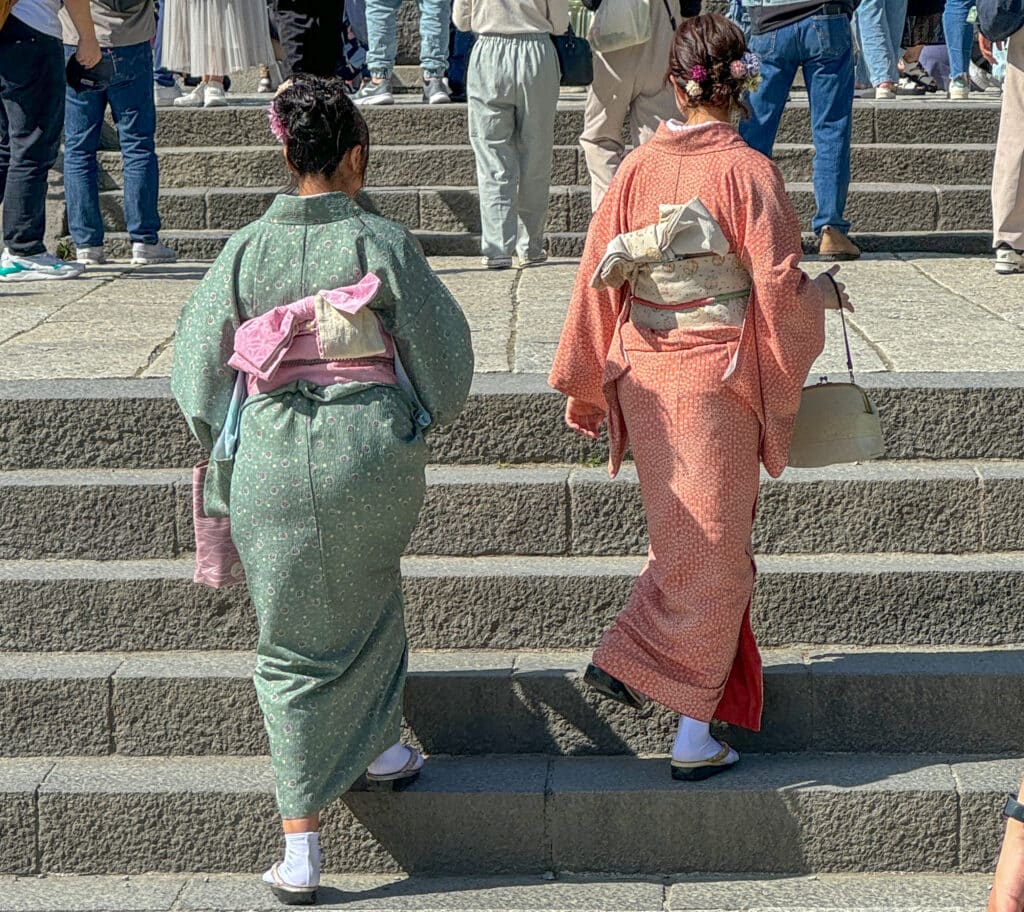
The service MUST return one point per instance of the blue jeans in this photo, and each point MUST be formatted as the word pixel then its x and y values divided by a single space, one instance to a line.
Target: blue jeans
pixel 130 96
pixel 161 76
pixel 879 25
pixel 381 30
pixel 959 37
pixel 823 46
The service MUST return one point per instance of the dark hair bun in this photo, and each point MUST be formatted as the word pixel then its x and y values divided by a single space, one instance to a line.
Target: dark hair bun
pixel 704 61
pixel 321 123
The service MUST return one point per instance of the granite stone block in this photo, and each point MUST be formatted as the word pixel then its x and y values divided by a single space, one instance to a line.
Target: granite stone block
pixel 19 781
pixel 983 787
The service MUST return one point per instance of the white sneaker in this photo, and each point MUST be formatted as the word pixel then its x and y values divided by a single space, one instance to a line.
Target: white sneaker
pixel 959 89
pixel 36 268
pixel 90 256
pixel 265 84
pixel 497 262
pixel 148 254
pixel 215 96
pixel 1009 262
pixel 193 99
pixel 165 96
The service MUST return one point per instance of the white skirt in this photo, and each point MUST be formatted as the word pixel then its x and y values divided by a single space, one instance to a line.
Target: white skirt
pixel 215 37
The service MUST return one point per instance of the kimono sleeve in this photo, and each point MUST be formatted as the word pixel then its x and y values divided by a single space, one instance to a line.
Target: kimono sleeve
pixel 429 329
pixel 201 380
pixel 593 313
pixel 788 325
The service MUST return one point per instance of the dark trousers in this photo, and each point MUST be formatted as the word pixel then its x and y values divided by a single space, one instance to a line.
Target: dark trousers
pixel 31 119
pixel 310 32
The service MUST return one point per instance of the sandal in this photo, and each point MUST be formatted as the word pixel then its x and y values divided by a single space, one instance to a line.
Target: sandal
pixel 613 688
pixel 286 893
pixel 918 75
pixel 399 779
pixel 699 770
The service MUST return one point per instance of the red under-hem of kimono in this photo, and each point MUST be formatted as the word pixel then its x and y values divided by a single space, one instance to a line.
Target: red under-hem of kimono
pixel 741 701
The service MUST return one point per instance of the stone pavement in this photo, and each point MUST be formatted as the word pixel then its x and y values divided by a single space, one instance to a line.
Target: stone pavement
pixel 234 893
pixel 915 312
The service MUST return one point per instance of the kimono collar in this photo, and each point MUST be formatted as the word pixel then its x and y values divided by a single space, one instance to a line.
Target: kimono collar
pixel 311 210
pixel 710 137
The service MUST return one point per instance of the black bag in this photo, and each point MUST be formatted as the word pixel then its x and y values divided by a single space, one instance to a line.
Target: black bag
pixel 999 19
pixel 575 59
pixel 121 6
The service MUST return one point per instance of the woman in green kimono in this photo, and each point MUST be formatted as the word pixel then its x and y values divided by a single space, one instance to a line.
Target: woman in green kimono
pixel 328 478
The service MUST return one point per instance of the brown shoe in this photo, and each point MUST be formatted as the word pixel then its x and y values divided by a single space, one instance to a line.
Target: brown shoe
pixel 837 246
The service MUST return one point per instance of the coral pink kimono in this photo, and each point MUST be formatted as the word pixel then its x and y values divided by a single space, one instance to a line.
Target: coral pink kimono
pixel 701 409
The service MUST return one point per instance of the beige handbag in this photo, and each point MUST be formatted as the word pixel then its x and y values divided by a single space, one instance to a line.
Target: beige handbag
pixel 837 422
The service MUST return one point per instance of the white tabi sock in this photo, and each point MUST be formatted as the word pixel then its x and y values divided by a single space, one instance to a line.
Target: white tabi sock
pixel 694 743
pixel 301 865
pixel 391 761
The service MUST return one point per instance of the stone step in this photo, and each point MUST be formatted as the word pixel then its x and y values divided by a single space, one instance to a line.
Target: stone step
pixel 453 166
pixel 931 507
pixel 905 123
pixel 527 603
pixel 788 814
pixel 871 207
pixel 472 703
pixel 546 893
pixel 510 418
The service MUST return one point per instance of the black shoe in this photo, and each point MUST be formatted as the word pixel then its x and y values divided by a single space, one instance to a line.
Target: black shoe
pixel 613 688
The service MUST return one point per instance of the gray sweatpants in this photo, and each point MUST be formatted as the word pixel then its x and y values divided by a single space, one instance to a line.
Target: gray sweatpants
pixel 1008 173
pixel 513 92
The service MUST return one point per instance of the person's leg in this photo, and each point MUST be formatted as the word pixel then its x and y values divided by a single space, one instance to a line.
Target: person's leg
pixel 1008 173
pixel 381 34
pixel 779 62
pixel 828 72
pixel 435 23
pixel 537 103
pixel 875 40
pixel 654 98
pixel 608 101
pixel 5 145
pixel 492 118
pixel 32 92
pixel 896 15
pixel 162 77
pixel 310 33
pixel 83 126
pixel 135 117
pixel 959 37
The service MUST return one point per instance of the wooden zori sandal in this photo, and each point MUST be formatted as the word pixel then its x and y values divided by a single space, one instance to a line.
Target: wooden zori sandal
pixel 613 688
pixel 399 779
pixel 699 770
pixel 286 893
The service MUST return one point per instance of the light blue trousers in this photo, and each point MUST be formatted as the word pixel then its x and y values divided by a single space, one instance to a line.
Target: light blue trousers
pixel 382 36
pixel 513 93
pixel 879 26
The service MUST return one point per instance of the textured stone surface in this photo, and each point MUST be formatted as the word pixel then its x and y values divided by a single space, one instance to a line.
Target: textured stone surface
pixel 812 813
pixel 896 164
pixel 19 781
pixel 214 166
pixel 133 816
pixel 99 515
pixel 983 787
pixel 1002 507
pixel 525 603
pixel 154 893
pixel 55 704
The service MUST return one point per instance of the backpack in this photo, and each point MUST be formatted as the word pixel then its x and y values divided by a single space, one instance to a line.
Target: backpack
pixel 120 6
pixel 999 19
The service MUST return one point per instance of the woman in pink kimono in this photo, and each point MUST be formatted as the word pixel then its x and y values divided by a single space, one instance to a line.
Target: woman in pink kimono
pixel 697 359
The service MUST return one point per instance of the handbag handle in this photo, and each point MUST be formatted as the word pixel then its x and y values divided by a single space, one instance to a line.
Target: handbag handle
pixel 842 318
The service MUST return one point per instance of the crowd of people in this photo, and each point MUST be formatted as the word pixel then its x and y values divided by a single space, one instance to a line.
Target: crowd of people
pixel 118 51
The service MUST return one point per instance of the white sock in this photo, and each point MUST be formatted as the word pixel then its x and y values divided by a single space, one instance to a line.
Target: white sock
pixel 694 742
pixel 391 761
pixel 301 865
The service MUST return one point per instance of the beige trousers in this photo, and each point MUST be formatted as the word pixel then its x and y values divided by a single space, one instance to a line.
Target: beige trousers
pixel 627 82
pixel 1008 175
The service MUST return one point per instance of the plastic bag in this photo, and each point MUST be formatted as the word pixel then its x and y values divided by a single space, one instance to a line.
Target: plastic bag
pixel 620 24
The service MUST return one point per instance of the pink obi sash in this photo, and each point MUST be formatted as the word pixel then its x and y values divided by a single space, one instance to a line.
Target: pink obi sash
pixel 286 344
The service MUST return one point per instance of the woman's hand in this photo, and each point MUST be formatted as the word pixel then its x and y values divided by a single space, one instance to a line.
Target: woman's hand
pixel 89 53
pixel 986 48
pixel 834 290
pixel 584 418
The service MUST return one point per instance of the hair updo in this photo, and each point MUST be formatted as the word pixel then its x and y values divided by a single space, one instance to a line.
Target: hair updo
pixel 317 123
pixel 710 63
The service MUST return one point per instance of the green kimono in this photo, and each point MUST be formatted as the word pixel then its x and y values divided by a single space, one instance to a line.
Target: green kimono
pixel 327 482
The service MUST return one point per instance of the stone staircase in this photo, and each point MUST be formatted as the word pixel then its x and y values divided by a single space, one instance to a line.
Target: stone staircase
pixel 921 175
pixel 890 605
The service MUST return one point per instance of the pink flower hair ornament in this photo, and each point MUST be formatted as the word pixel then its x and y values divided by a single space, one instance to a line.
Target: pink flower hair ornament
pixel 698 73
pixel 277 126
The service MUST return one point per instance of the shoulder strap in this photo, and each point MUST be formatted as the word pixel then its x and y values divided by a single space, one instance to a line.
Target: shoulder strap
pixel 842 318
pixel 671 18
